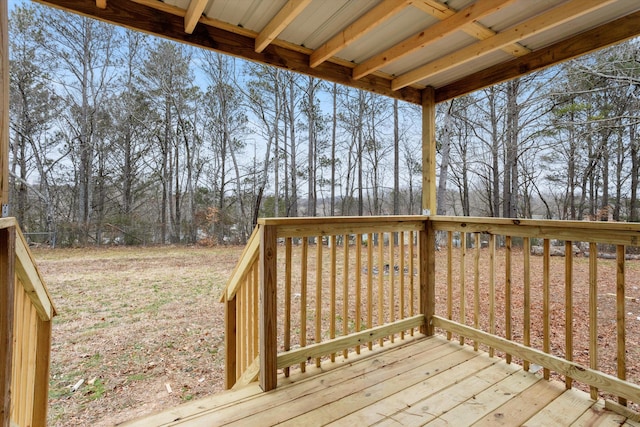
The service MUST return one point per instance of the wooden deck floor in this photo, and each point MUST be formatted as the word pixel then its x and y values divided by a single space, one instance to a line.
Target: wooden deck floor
pixel 429 382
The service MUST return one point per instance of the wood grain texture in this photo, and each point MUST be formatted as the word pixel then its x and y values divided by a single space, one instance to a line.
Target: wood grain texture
pixel 7 291
pixel 268 311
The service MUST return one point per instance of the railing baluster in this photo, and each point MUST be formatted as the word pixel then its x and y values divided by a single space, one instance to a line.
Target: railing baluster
pixel 358 273
pixel 303 297
pixel 593 312
pixel 507 292
pixel 381 282
pixel 526 338
pixel 546 328
pixel 230 341
pixel 411 277
pixel 401 268
pixel 492 292
pixel 345 292
pixel 332 303
pixel 449 279
pixel 287 299
pixel 463 254
pixel 568 305
pixel 370 285
pixel 392 295
pixel 318 335
pixel 620 317
pixel 476 286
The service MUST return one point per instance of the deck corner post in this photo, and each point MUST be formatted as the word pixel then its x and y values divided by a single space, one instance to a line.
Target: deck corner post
pixel 427 257
pixel 230 338
pixel 267 308
pixel 7 294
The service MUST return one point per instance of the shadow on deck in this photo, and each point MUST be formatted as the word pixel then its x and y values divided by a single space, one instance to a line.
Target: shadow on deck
pixel 427 381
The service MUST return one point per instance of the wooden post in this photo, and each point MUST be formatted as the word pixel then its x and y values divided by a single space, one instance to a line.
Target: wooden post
pixel 428 151
pixel 427 263
pixel 7 291
pixel 268 309
pixel 41 386
pixel 230 337
pixel 4 109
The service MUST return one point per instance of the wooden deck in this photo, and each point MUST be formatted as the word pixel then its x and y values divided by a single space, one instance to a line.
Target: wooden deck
pixel 429 381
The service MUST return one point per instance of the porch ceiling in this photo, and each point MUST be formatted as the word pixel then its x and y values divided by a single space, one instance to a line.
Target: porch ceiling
pixel 392 47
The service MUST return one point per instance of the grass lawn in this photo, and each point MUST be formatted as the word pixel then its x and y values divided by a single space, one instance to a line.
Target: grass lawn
pixel 134 323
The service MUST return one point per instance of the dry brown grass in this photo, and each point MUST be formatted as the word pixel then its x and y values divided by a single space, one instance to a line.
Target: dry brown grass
pixel 131 320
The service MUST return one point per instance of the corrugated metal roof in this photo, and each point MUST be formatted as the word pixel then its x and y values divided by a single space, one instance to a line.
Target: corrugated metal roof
pixel 395 47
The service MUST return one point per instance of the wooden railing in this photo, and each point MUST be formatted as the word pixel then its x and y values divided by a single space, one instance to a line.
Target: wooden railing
pixel 314 288
pixel 26 313
pixel 519 305
pixel 317 287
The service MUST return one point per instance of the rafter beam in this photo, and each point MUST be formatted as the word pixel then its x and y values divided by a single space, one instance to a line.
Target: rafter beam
pixel 581 44
pixel 194 12
pixel 288 13
pixel 430 35
pixel 557 16
pixel 475 29
pixel 101 4
pixel 359 28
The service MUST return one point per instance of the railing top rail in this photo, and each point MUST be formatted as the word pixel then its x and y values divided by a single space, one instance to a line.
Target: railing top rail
pixel 619 233
pixel 249 254
pixel 28 273
pixel 325 226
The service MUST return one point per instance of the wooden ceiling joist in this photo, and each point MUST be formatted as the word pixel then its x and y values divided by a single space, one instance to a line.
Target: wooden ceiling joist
pixel 194 12
pixel 288 13
pixel 101 4
pixel 475 29
pixel 557 16
pixel 430 35
pixel 598 38
pixel 359 28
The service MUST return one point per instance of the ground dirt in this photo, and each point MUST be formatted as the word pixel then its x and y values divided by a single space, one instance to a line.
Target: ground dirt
pixel 143 330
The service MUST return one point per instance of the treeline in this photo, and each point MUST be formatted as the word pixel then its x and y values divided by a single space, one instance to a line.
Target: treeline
pixel 117 137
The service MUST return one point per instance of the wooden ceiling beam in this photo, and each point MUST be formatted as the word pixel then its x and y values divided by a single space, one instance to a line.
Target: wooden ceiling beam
pixel 151 20
pixel 475 29
pixel 288 13
pixel 430 35
pixel 554 17
pixel 194 12
pixel 101 4
pixel 598 38
pixel 360 27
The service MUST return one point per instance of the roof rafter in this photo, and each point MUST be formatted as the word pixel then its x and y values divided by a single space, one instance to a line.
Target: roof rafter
pixel 288 13
pixel 429 35
pixel 552 18
pixel 360 27
pixel 598 38
pixel 475 29
pixel 194 12
pixel 101 4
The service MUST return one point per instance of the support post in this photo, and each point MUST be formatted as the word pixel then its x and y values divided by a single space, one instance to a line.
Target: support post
pixel 427 260
pixel 7 293
pixel 4 109
pixel 428 151
pixel 267 310
pixel 230 338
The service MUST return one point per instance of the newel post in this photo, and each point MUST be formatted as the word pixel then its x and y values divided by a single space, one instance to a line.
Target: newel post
pixel 230 339
pixel 267 311
pixel 7 290
pixel 427 257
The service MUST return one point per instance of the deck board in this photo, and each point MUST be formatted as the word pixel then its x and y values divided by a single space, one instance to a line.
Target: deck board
pixel 428 381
